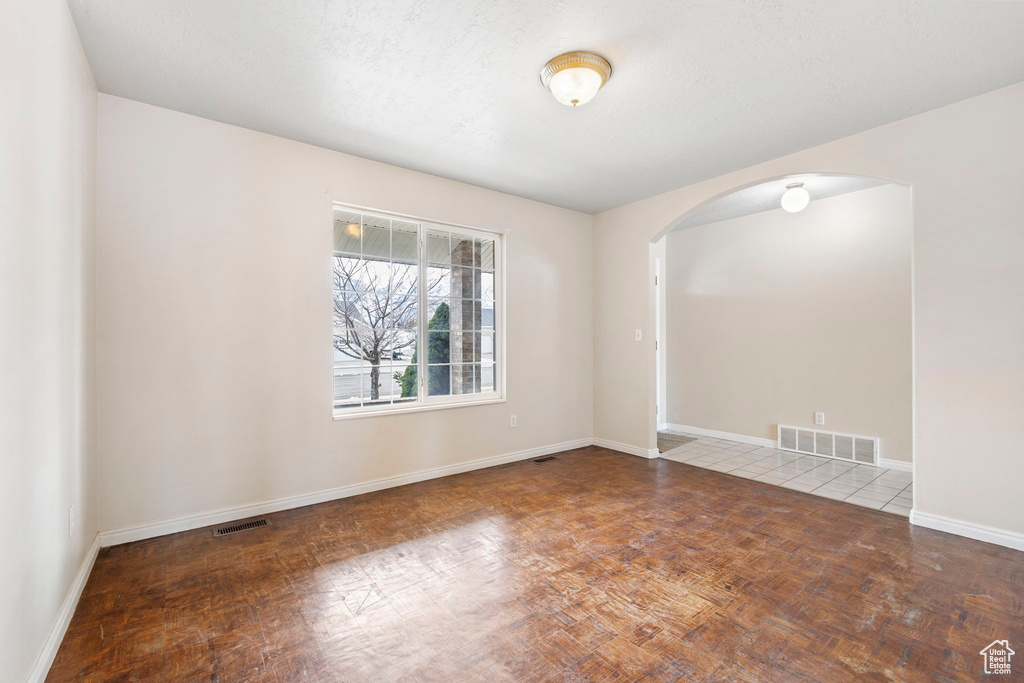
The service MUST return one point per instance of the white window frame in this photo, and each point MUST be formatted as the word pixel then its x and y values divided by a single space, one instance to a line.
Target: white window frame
pixel 424 401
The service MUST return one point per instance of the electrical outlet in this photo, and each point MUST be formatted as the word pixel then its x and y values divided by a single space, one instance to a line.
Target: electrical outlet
pixel 819 418
pixel 72 521
pixel 514 422
pixel 639 336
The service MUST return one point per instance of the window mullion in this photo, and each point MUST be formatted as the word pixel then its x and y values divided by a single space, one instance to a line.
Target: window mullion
pixel 498 324
pixel 421 333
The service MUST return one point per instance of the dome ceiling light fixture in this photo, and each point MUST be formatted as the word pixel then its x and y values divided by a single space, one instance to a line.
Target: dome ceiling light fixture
pixel 575 77
pixel 795 198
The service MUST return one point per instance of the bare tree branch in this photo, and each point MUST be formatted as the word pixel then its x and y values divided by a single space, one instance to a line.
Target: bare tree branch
pixel 376 310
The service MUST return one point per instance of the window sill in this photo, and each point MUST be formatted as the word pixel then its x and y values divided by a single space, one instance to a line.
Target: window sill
pixel 351 415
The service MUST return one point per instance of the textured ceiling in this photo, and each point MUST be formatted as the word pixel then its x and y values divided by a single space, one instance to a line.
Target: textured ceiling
pixel 767 196
pixel 451 87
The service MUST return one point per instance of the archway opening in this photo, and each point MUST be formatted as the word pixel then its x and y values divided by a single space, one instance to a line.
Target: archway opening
pixel 784 339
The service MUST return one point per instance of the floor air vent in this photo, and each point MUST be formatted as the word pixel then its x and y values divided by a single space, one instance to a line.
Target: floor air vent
pixel 862 449
pixel 546 458
pixel 235 528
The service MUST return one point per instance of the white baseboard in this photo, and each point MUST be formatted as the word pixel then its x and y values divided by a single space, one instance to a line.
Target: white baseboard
pixel 139 532
pixel 715 434
pixel 67 610
pixel 625 448
pixel 979 532
pixel 896 465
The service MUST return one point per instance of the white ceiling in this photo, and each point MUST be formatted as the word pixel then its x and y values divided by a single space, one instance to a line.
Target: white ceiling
pixel 767 197
pixel 451 87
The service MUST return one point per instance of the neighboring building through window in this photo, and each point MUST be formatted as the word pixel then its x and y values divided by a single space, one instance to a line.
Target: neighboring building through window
pixel 416 313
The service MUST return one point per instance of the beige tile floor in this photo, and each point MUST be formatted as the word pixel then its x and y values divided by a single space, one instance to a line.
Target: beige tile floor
pixel 873 487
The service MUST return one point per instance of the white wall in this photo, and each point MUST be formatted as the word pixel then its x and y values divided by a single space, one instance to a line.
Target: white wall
pixel 214 319
pixel 47 195
pixel 661 329
pixel 966 165
pixel 774 316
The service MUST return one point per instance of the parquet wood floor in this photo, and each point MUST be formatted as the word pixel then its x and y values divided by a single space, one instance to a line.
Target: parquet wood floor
pixel 596 566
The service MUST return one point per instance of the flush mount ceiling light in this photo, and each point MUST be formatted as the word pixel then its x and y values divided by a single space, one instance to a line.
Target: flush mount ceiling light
pixel 795 198
pixel 575 77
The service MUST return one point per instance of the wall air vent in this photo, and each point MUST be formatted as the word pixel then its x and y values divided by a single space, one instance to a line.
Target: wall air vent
pixel 805 441
pixel 823 444
pixel 862 449
pixel 546 458
pixel 235 528
pixel 844 447
pixel 787 438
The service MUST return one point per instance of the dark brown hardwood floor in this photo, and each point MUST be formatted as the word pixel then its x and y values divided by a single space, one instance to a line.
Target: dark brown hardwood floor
pixel 595 566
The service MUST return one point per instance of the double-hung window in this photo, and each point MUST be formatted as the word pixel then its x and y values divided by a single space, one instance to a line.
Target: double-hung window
pixel 418 313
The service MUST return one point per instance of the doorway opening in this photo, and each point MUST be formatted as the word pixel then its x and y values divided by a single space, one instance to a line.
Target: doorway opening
pixel 783 340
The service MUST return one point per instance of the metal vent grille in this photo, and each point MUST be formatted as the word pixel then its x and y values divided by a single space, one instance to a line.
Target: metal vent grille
pixel 235 528
pixel 787 438
pixel 546 458
pixel 863 449
pixel 805 441
pixel 844 447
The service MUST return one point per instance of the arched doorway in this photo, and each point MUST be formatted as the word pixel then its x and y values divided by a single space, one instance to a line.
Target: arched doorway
pixel 790 317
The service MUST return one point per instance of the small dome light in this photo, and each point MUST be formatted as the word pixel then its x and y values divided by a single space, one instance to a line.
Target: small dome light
pixel 795 198
pixel 575 77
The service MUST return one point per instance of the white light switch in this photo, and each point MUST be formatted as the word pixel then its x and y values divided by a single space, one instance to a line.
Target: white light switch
pixel 514 422
pixel 639 336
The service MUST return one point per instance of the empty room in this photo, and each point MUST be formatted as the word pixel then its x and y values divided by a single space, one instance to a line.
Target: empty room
pixel 475 341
